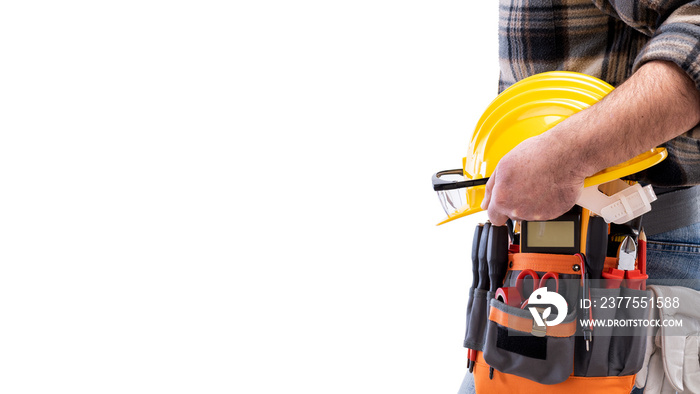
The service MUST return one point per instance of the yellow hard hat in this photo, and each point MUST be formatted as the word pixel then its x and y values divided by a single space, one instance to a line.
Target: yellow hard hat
pixel 526 109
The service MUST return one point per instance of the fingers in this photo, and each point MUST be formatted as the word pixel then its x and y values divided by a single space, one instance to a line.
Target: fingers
pixel 641 379
pixel 518 200
pixel 655 377
pixel 487 193
pixel 496 217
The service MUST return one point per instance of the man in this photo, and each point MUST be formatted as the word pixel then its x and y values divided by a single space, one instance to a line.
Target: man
pixel 649 50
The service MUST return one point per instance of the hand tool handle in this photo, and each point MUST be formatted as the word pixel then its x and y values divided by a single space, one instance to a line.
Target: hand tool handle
pixel 546 277
pixel 483 262
pixel 511 231
pixel 585 310
pixel 596 248
pixel 613 279
pixel 636 280
pixel 471 354
pixel 475 254
pixel 520 281
pixel 497 255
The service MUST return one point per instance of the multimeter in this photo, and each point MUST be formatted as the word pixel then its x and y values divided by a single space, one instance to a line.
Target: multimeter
pixel 557 236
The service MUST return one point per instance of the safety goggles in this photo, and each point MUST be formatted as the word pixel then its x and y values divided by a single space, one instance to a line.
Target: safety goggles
pixel 451 185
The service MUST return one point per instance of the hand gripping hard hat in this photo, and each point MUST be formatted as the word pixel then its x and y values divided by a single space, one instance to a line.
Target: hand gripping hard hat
pixel 527 109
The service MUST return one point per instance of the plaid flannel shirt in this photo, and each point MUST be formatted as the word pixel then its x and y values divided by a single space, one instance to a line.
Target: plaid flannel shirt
pixel 608 40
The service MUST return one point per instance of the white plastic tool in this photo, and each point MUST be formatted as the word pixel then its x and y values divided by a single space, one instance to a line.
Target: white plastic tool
pixel 626 204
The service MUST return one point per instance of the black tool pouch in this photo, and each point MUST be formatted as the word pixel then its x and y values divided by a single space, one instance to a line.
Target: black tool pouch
pixel 618 345
pixel 470 305
pixel 516 344
pixel 629 343
pixel 477 317
pixel 594 360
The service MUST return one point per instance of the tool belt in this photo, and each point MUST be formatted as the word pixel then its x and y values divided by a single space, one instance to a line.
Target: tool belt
pixel 513 354
pixel 672 210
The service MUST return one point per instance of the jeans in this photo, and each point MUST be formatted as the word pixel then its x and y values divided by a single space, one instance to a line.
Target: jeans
pixel 673 258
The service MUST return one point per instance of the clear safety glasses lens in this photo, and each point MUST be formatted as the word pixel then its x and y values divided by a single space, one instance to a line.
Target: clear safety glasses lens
pixel 450 186
pixel 452 200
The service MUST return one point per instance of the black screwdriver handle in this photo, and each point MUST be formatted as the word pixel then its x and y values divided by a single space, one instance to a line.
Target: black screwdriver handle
pixel 483 262
pixel 497 255
pixel 475 254
pixel 596 248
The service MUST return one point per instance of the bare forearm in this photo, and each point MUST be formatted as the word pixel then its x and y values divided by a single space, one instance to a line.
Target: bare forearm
pixel 543 176
pixel 658 103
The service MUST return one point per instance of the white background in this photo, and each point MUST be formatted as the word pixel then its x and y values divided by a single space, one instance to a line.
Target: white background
pixel 234 197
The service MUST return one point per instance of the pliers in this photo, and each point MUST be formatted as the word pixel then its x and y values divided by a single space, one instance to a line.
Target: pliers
pixel 627 254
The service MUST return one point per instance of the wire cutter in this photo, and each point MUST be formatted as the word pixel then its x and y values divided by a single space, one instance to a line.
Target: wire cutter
pixel 627 254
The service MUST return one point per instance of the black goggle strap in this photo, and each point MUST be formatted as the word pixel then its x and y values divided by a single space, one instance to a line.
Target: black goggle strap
pixel 440 184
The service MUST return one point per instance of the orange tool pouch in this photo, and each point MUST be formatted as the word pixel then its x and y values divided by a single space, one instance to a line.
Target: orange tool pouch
pixel 519 356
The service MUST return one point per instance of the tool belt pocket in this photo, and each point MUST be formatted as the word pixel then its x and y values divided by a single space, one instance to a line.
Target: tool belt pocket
pixel 567 268
pixel 477 316
pixel 516 344
pixel 619 340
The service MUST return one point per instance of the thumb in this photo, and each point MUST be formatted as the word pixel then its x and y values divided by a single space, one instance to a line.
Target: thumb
pixel 691 366
pixel 655 375
pixel 641 379
pixel 487 192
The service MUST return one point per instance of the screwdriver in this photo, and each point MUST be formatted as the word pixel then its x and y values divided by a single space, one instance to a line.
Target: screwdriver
pixel 471 354
pixel 511 231
pixel 497 260
pixel 483 283
pixel 497 255
pixel 483 260
pixel 475 254
pixel 596 248
pixel 587 313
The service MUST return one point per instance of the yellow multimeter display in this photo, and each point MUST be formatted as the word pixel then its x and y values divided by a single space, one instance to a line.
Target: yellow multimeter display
pixel 557 236
pixel 550 234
